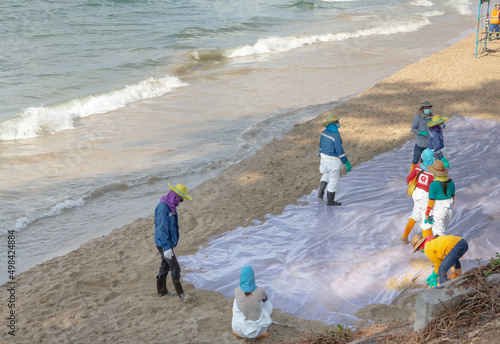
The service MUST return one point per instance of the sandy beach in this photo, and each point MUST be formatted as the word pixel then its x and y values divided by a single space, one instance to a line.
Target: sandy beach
pixel 105 292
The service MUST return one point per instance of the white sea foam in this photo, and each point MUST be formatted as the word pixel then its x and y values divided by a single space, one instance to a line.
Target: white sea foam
pixel 421 3
pixel 461 6
pixel 433 14
pixel 273 45
pixel 36 121
pixel 23 222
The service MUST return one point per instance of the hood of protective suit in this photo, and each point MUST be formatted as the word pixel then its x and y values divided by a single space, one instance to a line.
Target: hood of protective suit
pixel 428 158
pixel 247 279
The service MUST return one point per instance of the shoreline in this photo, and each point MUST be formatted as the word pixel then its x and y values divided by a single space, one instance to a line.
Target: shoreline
pixel 105 289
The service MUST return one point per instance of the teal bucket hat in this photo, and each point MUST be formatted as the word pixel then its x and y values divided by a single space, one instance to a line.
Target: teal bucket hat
pixel 247 279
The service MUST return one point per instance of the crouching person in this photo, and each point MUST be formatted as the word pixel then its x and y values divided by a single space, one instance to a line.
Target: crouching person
pixel 251 308
pixel 444 252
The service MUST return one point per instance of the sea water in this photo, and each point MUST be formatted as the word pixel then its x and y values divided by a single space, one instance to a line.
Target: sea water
pixel 103 102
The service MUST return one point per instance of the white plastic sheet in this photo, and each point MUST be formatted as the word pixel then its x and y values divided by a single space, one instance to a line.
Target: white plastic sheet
pixel 325 263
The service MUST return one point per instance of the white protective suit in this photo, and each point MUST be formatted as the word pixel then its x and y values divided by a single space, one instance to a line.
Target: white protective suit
pixel 330 167
pixel 442 212
pixel 420 200
pixel 248 328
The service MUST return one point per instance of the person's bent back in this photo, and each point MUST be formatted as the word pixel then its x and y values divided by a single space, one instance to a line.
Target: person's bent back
pixel 251 308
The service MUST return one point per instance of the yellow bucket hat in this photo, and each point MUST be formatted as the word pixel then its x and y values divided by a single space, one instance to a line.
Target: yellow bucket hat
pixel 436 120
pixel 181 191
pixel 331 118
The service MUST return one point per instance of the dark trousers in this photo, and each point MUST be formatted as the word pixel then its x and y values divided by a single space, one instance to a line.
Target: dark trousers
pixel 417 154
pixel 452 259
pixel 172 266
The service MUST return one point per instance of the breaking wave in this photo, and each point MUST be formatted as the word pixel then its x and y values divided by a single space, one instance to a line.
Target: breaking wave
pixel 41 120
pixel 272 45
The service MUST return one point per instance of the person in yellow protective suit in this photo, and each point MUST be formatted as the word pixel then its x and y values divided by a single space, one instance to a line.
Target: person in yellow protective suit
pixel 494 25
pixel 444 252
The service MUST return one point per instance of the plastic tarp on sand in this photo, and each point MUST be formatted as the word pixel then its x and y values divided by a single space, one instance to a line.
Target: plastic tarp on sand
pixel 325 263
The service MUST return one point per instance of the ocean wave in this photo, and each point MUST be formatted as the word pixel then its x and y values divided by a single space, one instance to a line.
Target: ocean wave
pixel 421 3
pixel 273 45
pixel 200 166
pixel 300 4
pixel 248 142
pixel 461 6
pixel 252 24
pixel 433 14
pixel 280 123
pixel 42 120
pixel 23 222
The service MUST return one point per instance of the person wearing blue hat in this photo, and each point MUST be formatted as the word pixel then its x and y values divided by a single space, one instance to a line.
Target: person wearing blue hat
pixel 167 237
pixel 251 308
pixel 332 157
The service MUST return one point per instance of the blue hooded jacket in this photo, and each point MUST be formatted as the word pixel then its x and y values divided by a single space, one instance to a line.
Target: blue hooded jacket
pixel 330 143
pixel 166 227
pixel 435 140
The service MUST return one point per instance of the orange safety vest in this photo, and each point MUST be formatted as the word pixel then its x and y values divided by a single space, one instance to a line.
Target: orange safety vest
pixel 495 16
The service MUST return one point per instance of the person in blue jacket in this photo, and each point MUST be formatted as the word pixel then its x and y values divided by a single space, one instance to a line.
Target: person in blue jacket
pixel 167 237
pixel 332 157
pixel 435 140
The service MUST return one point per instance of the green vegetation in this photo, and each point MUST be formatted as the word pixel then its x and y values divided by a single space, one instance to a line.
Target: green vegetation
pixel 494 262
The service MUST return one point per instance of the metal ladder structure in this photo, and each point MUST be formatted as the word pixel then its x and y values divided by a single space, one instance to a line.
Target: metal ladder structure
pixel 483 37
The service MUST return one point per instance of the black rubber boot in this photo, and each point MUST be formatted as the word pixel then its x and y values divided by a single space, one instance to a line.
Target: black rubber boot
pixel 178 287
pixel 161 286
pixel 330 197
pixel 322 187
pixel 180 291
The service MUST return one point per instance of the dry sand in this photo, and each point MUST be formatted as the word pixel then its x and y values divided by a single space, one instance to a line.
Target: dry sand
pixel 105 291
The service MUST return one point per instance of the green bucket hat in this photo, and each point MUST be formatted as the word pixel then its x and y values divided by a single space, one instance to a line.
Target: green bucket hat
pixel 331 118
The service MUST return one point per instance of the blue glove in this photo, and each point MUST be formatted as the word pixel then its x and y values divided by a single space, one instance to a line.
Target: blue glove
pixel 423 133
pixel 445 161
pixel 348 166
